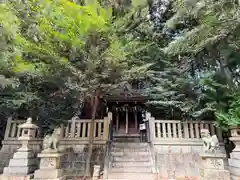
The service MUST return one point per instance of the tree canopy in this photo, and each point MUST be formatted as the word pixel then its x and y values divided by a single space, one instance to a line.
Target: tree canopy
pixel 58 52
pixel 55 54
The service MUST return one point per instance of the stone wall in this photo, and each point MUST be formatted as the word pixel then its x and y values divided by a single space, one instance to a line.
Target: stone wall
pixel 177 161
pixel 74 159
pixel 74 139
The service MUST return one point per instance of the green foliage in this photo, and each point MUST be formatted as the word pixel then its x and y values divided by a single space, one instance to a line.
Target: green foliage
pixel 214 22
pixel 231 117
pixel 55 54
pixel 63 53
pixel 203 49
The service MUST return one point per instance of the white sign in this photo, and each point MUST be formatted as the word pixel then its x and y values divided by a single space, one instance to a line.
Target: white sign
pixel 142 126
pixel 145 120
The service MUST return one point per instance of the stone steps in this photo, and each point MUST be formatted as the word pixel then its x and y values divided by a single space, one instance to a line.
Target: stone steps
pixel 132 164
pixel 129 158
pixel 131 176
pixel 135 146
pixel 130 161
pixel 130 154
pixel 119 139
pixel 132 169
pixel 120 149
pixel 127 138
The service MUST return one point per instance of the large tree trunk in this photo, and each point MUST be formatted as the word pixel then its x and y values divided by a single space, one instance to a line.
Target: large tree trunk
pixel 95 104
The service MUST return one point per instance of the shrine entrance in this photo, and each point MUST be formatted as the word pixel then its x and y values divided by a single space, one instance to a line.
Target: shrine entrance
pixel 127 106
pixel 125 122
pixel 126 117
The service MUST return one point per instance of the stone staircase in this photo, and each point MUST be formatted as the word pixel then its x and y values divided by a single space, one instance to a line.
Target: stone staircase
pixel 130 161
pixel 127 138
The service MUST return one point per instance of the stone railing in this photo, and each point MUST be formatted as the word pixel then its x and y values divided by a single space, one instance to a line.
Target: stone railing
pixel 182 130
pixel 74 130
pixel 12 131
pixel 80 129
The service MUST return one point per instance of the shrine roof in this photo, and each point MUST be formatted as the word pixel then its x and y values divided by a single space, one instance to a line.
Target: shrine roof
pixel 125 92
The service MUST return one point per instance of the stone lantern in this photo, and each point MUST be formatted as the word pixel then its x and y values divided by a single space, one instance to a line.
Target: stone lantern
pixel 24 163
pixel 234 160
pixel 235 133
pixel 28 132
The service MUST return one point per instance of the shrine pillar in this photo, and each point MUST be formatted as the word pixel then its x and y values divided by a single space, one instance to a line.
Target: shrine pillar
pixel 126 131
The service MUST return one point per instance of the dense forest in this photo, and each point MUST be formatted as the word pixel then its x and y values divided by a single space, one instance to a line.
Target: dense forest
pixel 185 55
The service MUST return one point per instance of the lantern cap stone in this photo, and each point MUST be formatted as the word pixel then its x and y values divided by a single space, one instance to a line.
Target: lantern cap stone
pixel 28 124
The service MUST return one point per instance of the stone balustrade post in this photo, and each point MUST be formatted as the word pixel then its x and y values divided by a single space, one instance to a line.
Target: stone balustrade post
pixel 8 128
pixel 151 123
pixel 152 129
pixel 105 128
pixel 73 127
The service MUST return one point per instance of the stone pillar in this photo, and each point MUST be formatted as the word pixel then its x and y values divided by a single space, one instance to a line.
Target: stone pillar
pixel 73 127
pixel 151 121
pixel 23 163
pixel 234 161
pixel 213 167
pixel 49 166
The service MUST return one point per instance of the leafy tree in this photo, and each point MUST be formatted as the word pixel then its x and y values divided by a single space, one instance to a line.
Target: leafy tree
pixel 204 40
pixel 67 53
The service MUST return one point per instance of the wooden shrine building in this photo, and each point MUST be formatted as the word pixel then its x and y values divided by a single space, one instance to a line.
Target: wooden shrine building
pixel 127 106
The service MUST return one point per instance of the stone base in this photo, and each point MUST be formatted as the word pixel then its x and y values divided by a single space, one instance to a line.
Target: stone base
pixel 16 177
pixel 23 155
pixel 21 171
pixel 22 162
pixel 235 177
pixel 214 174
pixel 234 163
pixel 48 173
pixel 49 159
pixel 235 155
pixel 235 171
pixel 49 166
pixel 60 178
pixel 213 161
